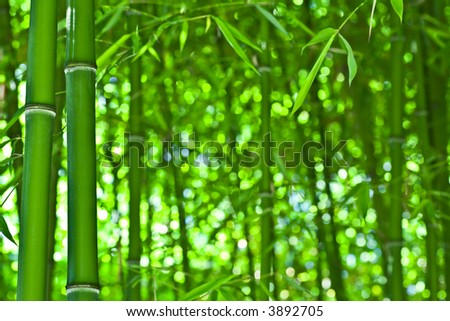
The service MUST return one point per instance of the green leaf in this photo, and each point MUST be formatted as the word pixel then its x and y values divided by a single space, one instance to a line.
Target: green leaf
pixel 117 13
pixel 229 36
pixel 273 21
pixel 240 36
pixel 227 294
pixel 154 54
pixel 184 34
pixel 321 36
pixel 371 17
pixel 306 86
pixel 351 62
pixel 8 160
pixel 5 230
pixel 208 23
pixel 104 59
pixel 296 285
pixel 14 118
pixel 205 288
pixel 397 5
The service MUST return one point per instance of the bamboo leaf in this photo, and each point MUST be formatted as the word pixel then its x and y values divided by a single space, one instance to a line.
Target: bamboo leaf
pixel 184 34
pixel 296 285
pixel 273 21
pixel 205 288
pixel 397 5
pixel 321 36
pixel 117 13
pixel 104 59
pixel 240 36
pixel 351 62
pixel 14 118
pixel 8 160
pixel 229 36
pixel 227 294
pixel 208 23
pixel 301 96
pixel 5 230
pixel 371 17
pixel 154 54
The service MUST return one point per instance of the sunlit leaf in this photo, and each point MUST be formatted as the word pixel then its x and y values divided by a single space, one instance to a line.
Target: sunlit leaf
pixel 5 230
pixel 208 23
pixel 306 86
pixel 229 36
pixel 397 5
pixel 240 36
pixel 321 36
pixel 351 62
pixel 154 53
pixel 273 21
pixel 105 57
pixel 205 288
pixel 371 17
pixel 184 34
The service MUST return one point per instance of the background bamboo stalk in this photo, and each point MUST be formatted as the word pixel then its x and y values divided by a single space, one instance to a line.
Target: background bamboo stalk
pixel 83 280
pixel 40 102
pixel 436 74
pixel 266 221
pixel 136 151
pixel 395 273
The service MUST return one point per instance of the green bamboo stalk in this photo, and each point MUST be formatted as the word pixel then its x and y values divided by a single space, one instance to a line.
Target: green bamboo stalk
pixel 395 274
pixel 60 101
pixel 424 139
pixel 83 280
pixel 135 174
pixel 40 114
pixel 178 192
pixel 436 75
pixel 330 233
pixel 267 233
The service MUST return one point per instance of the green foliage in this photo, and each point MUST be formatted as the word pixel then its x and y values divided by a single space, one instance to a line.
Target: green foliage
pixel 5 230
pixel 199 236
pixel 397 5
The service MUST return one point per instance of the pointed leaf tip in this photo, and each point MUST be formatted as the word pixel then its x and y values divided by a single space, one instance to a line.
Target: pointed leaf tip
pixel 351 61
pixel 5 230
pixel 397 5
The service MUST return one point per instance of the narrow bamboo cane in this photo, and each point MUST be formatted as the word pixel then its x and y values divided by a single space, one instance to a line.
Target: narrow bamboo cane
pixel 395 273
pixel 424 140
pixel 40 114
pixel 136 150
pixel 436 75
pixel 267 233
pixel 83 280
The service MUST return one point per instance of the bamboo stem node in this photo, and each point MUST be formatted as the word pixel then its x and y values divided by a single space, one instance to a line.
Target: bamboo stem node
pixel 40 107
pixel 80 66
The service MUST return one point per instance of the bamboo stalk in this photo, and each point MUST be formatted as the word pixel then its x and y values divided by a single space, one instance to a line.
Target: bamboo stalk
pixel 82 281
pixel 395 273
pixel 267 233
pixel 437 75
pixel 135 174
pixel 39 118
pixel 432 273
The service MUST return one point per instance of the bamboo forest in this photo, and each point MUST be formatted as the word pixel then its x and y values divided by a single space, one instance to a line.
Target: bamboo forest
pixel 224 150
